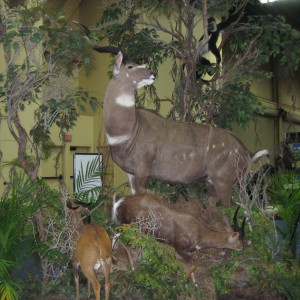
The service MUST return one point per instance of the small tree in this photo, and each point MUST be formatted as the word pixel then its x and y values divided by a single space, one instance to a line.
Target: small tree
pixel 42 56
pixel 171 30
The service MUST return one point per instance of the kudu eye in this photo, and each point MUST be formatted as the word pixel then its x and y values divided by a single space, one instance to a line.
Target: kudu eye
pixel 130 67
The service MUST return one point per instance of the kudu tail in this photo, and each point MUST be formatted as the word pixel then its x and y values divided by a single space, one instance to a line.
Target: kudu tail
pixel 259 154
pixel 116 204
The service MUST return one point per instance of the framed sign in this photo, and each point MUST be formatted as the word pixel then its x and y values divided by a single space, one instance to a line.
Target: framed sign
pixel 295 149
pixel 87 174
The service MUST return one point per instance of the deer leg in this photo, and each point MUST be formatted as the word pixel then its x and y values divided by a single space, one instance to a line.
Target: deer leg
pixel 88 289
pixel 107 266
pixel 89 273
pixel 77 284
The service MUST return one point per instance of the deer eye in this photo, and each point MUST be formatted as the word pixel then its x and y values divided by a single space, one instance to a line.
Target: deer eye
pixel 130 67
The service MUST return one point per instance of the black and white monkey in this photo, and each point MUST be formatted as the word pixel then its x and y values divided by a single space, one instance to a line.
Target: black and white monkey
pixel 213 30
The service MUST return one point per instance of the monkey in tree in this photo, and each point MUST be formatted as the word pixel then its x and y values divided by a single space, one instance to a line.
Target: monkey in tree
pixel 213 30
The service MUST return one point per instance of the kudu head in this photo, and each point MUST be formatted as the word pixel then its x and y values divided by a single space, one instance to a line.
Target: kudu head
pixel 132 74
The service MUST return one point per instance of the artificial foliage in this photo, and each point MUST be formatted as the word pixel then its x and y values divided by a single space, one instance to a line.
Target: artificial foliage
pixel 158 274
pixel 170 31
pixel 17 238
pixel 41 56
pixel 149 32
pixel 285 196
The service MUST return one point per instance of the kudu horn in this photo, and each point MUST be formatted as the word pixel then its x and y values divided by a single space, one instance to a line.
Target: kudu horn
pixel 240 230
pixel 103 49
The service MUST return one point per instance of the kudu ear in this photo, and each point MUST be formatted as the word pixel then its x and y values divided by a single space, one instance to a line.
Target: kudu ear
pixel 117 67
pixel 234 237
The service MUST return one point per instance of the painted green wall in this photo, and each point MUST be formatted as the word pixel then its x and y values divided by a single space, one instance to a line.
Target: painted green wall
pixel 89 135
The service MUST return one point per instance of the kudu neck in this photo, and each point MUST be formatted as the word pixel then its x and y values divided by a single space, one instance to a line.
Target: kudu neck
pixel 214 239
pixel 119 112
pixel 120 95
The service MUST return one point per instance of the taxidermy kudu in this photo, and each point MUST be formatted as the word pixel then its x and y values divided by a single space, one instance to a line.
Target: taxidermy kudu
pixel 180 230
pixel 92 250
pixel 144 144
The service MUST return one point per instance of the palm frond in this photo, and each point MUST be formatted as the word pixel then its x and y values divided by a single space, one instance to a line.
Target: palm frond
pixel 86 178
pixel 88 182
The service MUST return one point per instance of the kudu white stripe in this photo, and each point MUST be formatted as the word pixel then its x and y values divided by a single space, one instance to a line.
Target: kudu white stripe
pixel 125 100
pixel 116 140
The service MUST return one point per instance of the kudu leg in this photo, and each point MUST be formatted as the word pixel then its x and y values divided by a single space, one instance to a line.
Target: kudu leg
pixel 224 193
pixel 191 273
pixel 131 179
pixel 138 182
pixel 219 189
pixel 211 192
pixel 188 267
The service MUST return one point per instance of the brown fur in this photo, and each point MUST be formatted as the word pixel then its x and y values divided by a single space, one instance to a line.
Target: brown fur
pixel 174 152
pixel 181 230
pixel 92 246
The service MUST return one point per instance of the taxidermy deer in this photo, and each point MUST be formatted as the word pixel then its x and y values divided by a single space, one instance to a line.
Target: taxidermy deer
pixel 181 230
pixel 92 250
pixel 144 144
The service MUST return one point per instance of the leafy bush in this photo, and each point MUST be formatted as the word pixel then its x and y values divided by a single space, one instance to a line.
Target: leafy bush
pixel 266 265
pixel 17 211
pixel 158 275
pixel 285 196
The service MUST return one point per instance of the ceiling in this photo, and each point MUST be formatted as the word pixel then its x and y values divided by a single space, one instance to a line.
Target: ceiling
pixel 290 9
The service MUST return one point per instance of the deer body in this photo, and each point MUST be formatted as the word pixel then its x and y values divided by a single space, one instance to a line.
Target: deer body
pixel 144 144
pixel 181 230
pixel 92 250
